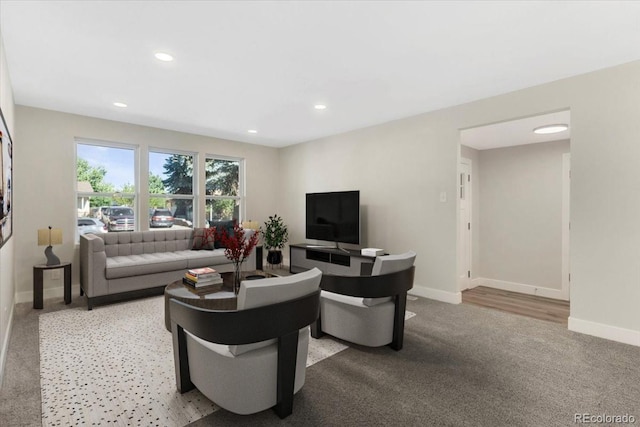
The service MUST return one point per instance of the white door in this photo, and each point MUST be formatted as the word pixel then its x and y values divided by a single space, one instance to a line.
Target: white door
pixel 566 226
pixel 464 226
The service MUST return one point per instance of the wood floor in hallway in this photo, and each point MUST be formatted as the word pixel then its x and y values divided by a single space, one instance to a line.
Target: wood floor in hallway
pixel 512 302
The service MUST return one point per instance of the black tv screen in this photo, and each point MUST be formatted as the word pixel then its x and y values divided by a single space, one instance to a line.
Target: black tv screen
pixel 334 216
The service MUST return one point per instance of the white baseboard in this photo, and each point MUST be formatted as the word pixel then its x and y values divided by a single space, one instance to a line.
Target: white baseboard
pixel 436 294
pixel 5 346
pixel 519 287
pixel 600 330
pixel 474 283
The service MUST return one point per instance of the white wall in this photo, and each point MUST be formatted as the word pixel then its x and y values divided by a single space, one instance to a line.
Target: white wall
pixel 521 214
pixel 45 179
pixel 7 287
pixel 402 166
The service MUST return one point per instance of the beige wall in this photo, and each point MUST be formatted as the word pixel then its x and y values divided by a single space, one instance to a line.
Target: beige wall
pixel 402 166
pixel 7 287
pixel 521 214
pixel 400 174
pixel 45 184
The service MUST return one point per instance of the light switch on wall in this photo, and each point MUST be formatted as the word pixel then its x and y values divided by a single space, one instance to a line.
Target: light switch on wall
pixel 443 196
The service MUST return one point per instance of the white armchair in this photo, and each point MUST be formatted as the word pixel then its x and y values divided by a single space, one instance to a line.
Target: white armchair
pixel 368 310
pixel 252 358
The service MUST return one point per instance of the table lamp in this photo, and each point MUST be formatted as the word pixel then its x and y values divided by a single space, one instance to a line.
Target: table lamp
pixel 250 225
pixel 50 236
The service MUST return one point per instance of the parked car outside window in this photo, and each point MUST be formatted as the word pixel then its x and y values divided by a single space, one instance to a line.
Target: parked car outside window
pixel 161 218
pixel 91 225
pixel 119 218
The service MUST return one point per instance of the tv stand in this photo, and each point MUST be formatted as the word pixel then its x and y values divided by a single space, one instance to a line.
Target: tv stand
pixel 338 248
pixel 330 260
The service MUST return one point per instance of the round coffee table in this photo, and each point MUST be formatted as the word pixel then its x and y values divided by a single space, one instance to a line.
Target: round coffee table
pixel 215 297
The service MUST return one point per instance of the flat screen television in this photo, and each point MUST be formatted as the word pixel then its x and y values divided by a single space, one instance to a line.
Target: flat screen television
pixel 333 216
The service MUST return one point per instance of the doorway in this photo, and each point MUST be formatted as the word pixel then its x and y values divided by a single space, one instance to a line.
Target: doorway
pixel 513 235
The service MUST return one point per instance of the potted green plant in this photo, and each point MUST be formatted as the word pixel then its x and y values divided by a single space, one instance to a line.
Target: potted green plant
pixel 275 235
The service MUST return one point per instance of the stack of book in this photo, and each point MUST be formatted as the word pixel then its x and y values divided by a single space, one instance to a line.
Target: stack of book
pixel 199 277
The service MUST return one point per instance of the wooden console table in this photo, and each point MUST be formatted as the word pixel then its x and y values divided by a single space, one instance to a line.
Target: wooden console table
pixel 38 274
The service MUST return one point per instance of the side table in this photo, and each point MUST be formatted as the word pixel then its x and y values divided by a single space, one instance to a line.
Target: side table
pixel 38 273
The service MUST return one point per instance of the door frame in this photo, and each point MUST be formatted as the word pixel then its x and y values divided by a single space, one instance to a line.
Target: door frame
pixel 465 283
pixel 566 226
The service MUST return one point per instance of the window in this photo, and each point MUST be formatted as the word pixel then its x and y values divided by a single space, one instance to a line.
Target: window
pixel 105 179
pixel 224 189
pixel 171 196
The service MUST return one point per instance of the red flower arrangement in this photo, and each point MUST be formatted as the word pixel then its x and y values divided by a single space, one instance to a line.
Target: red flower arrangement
pixel 237 249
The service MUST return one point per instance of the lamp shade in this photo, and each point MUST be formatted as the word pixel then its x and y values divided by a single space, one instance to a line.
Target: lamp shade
pixel 250 225
pixel 49 236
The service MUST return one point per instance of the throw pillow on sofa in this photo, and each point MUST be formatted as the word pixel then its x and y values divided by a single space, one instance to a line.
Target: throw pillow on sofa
pixel 204 239
pixel 223 225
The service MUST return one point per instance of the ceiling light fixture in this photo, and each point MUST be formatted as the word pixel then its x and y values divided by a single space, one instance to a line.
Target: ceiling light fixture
pixel 543 130
pixel 120 104
pixel 320 107
pixel 252 131
pixel 162 56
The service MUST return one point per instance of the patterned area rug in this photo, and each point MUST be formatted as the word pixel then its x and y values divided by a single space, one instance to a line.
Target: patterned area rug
pixel 114 366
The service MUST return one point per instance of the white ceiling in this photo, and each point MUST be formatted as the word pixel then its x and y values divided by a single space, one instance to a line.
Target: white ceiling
pixel 263 65
pixel 516 132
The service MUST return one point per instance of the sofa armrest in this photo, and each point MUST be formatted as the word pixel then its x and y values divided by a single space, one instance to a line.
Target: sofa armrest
pixel 93 265
pixel 249 263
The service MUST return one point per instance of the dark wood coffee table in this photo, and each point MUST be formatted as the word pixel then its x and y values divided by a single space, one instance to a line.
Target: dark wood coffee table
pixel 215 297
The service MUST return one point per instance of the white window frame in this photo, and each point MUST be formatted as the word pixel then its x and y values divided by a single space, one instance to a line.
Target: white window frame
pixel 194 197
pixel 241 197
pixel 136 174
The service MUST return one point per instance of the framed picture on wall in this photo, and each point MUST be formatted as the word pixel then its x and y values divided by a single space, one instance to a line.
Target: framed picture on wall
pixel 6 184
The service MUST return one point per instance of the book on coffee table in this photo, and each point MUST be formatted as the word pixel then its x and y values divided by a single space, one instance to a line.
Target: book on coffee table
pixel 203 273
pixel 204 276
pixel 202 282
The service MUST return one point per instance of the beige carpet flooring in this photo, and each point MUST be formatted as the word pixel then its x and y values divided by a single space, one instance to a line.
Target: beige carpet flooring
pixel 461 365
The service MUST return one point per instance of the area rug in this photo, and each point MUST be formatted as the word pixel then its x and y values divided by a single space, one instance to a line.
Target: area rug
pixel 114 365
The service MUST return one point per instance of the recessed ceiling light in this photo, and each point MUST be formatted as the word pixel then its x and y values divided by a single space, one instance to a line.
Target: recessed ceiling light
pixel 551 128
pixel 120 104
pixel 320 107
pixel 162 56
pixel 252 131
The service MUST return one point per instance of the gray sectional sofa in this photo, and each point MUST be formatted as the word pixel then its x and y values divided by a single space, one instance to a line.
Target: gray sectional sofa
pixel 132 263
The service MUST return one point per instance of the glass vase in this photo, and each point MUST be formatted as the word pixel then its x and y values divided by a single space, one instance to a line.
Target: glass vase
pixel 237 277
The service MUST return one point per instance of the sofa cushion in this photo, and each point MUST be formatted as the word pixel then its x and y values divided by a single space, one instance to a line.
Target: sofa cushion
pixel 138 265
pixel 146 242
pixel 344 299
pixel 196 259
pixel 204 239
